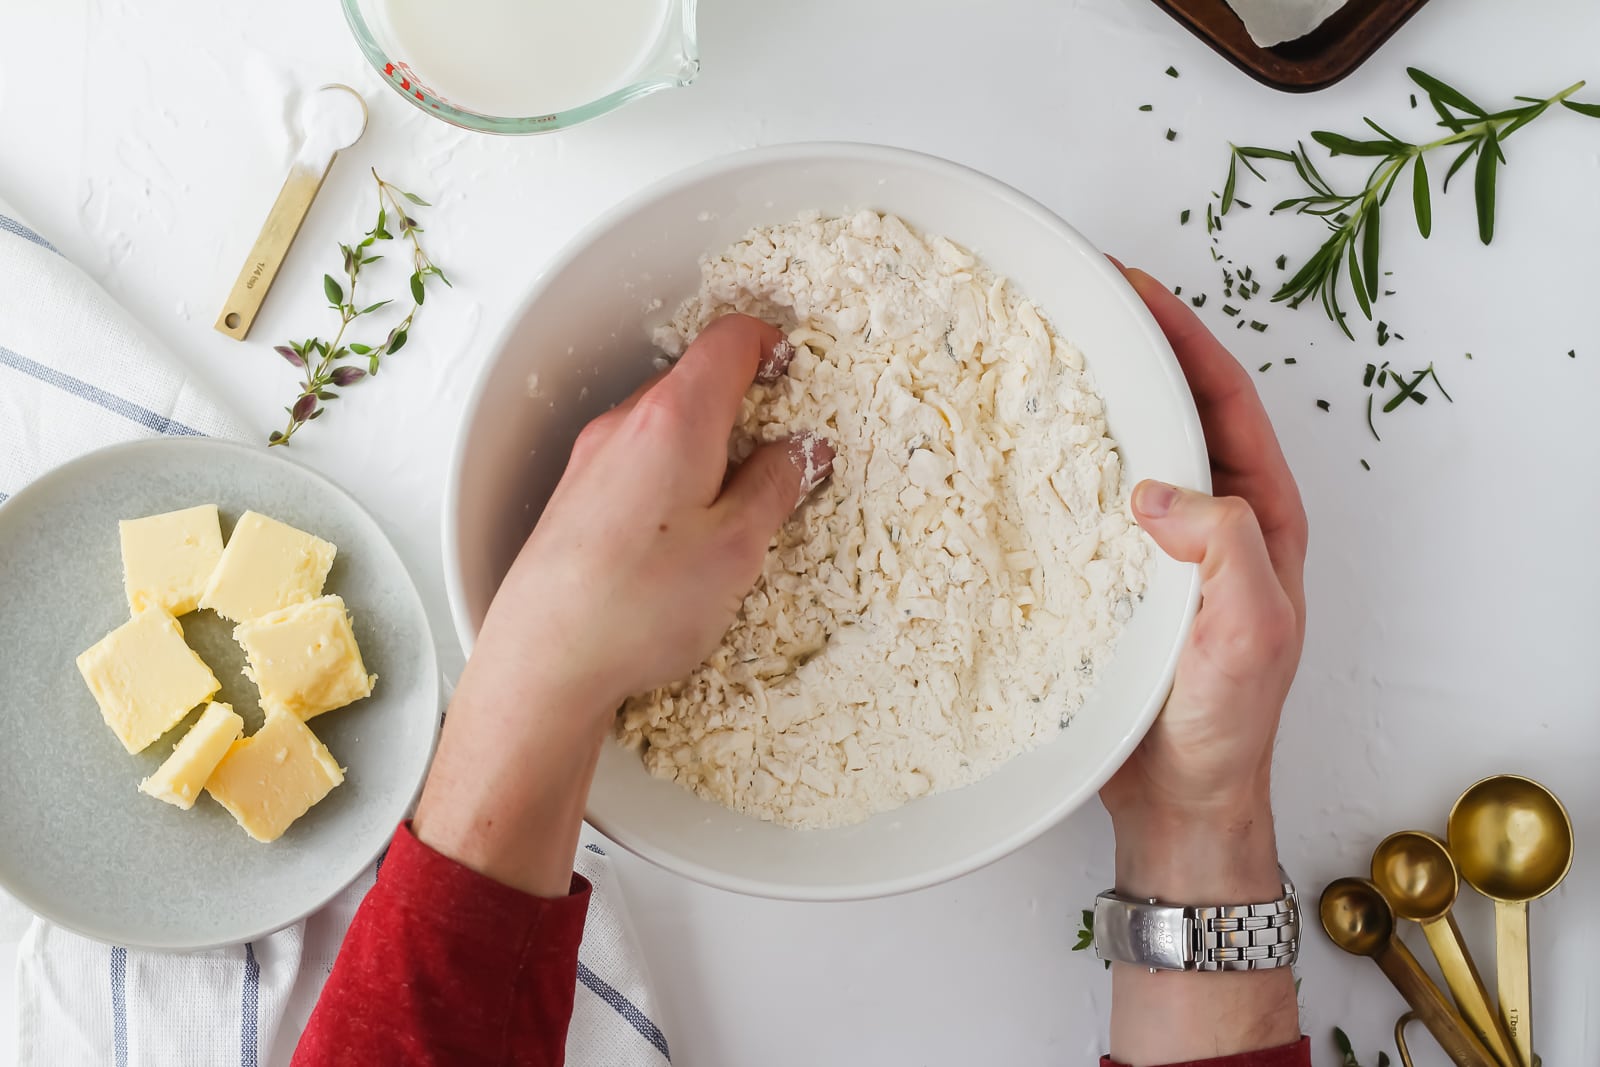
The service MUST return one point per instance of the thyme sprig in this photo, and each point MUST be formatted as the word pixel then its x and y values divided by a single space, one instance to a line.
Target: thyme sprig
pixel 1086 935
pixel 1350 254
pixel 321 362
pixel 1347 1052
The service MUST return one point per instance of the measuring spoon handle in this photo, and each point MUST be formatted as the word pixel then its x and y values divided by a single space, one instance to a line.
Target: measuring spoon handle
pixel 1511 961
pixel 1467 987
pixel 1443 1022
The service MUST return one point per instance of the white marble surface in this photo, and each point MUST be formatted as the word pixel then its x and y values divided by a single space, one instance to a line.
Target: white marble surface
pixel 1452 588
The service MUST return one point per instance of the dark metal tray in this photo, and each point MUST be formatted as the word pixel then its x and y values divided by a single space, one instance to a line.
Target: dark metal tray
pixel 1313 62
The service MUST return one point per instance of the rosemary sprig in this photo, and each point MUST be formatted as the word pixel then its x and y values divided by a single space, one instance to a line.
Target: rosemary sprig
pixel 319 360
pixel 1351 251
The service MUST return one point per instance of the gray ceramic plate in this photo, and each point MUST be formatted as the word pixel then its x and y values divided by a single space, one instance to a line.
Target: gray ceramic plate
pixel 79 844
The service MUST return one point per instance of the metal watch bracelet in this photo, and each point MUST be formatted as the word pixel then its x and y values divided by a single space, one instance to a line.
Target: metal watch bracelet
pixel 1169 937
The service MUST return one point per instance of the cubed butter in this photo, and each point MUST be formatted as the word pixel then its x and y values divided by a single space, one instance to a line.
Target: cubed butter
pixel 266 565
pixel 179 780
pixel 274 776
pixel 304 658
pixel 168 559
pixel 145 678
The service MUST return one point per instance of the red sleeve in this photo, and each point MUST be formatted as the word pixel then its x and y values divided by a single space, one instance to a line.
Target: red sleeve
pixel 443 965
pixel 1295 1055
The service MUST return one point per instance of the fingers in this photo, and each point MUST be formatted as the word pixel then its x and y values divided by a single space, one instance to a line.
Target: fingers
pixel 768 486
pixel 712 377
pixel 1248 617
pixel 1245 454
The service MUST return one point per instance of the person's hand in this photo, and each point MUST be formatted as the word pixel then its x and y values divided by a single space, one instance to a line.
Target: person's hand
pixel 632 575
pixel 1210 752
pixel 1192 806
pixel 649 543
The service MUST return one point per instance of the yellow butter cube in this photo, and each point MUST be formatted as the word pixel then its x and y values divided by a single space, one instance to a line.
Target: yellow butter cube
pixel 145 678
pixel 304 658
pixel 181 777
pixel 266 565
pixel 274 776
pixel 168 559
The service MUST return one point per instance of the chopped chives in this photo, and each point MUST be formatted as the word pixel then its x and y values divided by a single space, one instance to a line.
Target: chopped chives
pixel 1365 465
pixel 1183 217
pixel 1177 290
pixel 1198 301
pixel 1172 72
pixel 1371 427
pixel 1290 360
pixel 1572 353
pixel 1265 366
pixel 1435 376
pixel 1146 107
pixel 1229 309
pixel 1324 405
pixel 1366 380
pixel 1282 260
pixel 1258 327
pixel 1172 135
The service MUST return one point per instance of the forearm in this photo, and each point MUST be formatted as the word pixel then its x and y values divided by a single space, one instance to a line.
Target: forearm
pixel 508 788
pixel 1172 1017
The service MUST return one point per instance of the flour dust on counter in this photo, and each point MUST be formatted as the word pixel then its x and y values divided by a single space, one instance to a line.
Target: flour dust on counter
pixel 520 58
pixel 944 602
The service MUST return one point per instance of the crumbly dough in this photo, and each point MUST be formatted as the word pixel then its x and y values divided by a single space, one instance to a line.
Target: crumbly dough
pixel 943 602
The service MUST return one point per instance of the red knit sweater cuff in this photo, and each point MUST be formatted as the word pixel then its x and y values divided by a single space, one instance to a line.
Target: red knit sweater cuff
pixel 413 872
pixel 1295 1055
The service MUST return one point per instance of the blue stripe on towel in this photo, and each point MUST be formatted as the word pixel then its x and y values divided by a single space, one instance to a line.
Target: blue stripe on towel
pixel 94 395
pixel 4 497
pixel 12 226
pixel 249 1008
pixel 119 1004
pixel 625 1008
pixel 596 849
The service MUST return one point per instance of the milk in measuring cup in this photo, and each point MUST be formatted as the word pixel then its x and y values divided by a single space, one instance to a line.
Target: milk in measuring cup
pixel 520 58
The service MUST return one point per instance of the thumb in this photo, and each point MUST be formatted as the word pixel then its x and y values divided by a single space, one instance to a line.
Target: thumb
pixel 767 487
pixel 1243 602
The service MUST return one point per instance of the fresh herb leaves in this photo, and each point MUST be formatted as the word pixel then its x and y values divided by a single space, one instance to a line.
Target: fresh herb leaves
pixel 1086 935
pixel 320 362
pixel 1347 1053
pixel 1348 259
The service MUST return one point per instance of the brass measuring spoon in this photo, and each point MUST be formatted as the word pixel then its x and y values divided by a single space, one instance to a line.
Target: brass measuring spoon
pixel 1360 921
pixel 1416 875
pixel 331 119
pixel 1512 840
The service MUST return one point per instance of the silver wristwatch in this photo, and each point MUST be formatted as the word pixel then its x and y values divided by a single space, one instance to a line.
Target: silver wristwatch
pixel 1171 937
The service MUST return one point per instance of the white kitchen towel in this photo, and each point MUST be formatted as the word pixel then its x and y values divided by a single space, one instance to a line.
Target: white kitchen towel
pixel 77 373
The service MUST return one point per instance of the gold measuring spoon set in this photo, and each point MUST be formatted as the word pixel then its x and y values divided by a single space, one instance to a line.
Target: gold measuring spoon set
pixel 1511 840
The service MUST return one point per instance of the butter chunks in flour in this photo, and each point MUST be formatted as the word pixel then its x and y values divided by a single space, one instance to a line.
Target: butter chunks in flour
pixel 300 646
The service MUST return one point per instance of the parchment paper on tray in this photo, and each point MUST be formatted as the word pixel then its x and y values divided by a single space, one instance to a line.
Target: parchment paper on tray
pixel 1271 22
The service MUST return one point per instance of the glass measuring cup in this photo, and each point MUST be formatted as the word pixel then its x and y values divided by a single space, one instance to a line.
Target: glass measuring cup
pixel 526 66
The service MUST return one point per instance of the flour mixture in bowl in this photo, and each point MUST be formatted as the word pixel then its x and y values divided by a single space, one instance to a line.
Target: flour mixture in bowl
pixel 943 603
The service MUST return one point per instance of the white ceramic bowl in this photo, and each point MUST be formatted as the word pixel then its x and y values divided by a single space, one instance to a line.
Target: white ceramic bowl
pixel 584 333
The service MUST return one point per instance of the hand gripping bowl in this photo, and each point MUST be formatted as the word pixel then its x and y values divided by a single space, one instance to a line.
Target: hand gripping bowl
pixel 581 342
